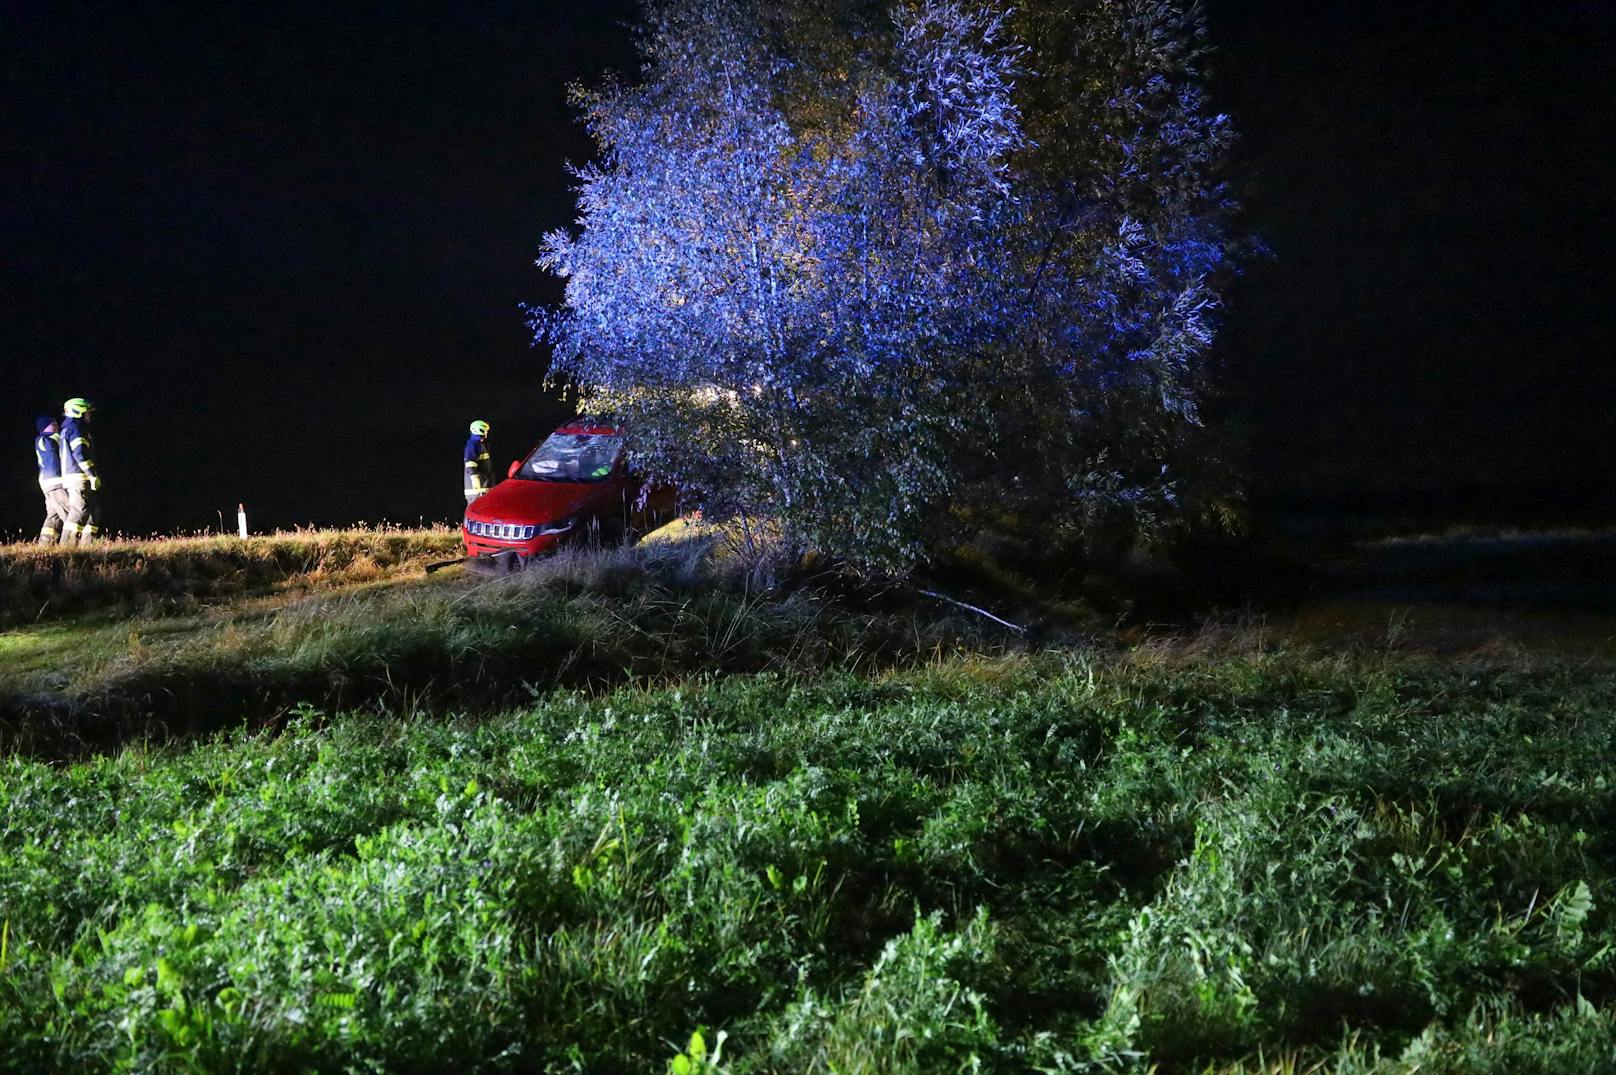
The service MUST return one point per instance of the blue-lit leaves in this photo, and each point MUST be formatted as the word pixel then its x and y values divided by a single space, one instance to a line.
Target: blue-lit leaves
pixel 956 72
pixel 832 281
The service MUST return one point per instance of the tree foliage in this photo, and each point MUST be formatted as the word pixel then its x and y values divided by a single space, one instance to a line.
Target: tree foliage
pixel 867 266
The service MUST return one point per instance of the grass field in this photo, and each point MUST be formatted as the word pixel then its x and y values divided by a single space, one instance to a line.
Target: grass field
pixel 816 837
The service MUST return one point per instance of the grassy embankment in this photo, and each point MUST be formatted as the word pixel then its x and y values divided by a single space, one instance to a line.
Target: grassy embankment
pixel 659 611
pixel 1222 858
pixel 176 575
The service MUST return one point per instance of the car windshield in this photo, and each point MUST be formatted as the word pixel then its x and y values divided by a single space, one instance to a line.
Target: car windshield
pixel 573 457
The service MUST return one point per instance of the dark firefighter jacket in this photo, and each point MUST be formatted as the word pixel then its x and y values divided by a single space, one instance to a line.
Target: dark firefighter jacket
pixel 47 450
pixel 479 467
pixel 78 455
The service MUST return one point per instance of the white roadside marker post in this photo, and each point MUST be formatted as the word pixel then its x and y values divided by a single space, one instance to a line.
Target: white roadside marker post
pixel 241 519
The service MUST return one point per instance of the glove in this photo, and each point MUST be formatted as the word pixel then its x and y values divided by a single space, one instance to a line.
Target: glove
pixel 95 484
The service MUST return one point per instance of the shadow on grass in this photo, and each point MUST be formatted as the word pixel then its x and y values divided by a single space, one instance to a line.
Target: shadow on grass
pixel 587 619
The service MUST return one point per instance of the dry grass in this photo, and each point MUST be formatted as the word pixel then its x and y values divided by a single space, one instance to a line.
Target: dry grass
pixel 178 575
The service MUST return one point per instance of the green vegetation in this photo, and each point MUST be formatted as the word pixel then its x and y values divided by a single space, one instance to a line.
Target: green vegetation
pixel 635 811
pixel 1250 862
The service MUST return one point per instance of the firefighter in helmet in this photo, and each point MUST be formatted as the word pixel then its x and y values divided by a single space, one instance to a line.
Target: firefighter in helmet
pixel 47 451
pixel 80 480
pixel 479 467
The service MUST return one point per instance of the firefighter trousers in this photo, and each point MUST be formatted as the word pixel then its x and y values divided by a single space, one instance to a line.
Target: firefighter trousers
pixel 55 516
pixel 83 515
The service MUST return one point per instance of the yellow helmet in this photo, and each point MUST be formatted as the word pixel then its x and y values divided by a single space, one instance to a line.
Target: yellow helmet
pixel 77 407
pixel 479 428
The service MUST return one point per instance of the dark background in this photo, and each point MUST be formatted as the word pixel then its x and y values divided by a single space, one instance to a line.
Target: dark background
pixel 1433 336
pixel 283 247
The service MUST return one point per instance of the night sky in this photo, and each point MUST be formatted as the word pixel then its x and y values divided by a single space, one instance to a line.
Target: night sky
pixel 283 247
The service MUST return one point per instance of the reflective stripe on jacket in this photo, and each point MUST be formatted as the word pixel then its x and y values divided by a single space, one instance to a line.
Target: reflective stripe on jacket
pixel 77 453
pixel 479 467
pixel 47 449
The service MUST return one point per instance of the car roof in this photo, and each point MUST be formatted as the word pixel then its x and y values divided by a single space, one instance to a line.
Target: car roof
pixel 588 427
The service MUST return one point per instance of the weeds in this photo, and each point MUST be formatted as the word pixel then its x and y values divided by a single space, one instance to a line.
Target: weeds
pixel 1250 862
pixel 683 824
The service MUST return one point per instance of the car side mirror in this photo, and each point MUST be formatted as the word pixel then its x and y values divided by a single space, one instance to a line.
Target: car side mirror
pixel 516 465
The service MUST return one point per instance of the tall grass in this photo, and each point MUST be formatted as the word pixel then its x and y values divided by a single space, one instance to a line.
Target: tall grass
pixel 585 618
pixel 1261 862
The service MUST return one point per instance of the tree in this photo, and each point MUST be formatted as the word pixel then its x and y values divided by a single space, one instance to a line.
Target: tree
pixel 1130 239
pixel 827 277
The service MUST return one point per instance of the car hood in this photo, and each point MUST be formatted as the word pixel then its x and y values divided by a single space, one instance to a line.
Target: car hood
pixel 513 501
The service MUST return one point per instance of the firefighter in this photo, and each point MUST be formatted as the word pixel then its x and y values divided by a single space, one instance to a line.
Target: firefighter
pixel 79 477
pixel 479 467
pixel 47 450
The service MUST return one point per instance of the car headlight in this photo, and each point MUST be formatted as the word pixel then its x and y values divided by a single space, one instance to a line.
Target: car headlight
pixel 560 526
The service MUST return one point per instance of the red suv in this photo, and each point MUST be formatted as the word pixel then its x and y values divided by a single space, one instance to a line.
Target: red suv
pixel 576 484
